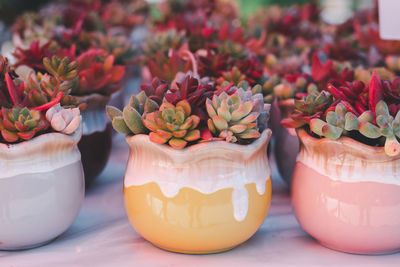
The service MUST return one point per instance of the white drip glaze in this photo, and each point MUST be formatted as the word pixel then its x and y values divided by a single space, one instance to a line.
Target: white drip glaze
pixel 44 153
pixel 205 167
pixel 347 160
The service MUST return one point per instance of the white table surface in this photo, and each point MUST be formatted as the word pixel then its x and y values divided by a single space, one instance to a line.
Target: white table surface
pixel 102 236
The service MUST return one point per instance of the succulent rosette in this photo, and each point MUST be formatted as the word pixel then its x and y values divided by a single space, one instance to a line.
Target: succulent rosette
pixel 193 110
pixel 26 102
pixel 366 112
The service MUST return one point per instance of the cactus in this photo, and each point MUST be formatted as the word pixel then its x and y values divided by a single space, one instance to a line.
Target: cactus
pixel 20 123
pixel 232 118
pixel 130 120
pixel 173 124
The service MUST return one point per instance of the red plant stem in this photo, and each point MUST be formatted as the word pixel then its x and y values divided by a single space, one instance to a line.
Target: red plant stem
pixel 360 107
pixel 337 94
pixel 12 90
pixel 350 108
pixel 50 104
pixel 346 91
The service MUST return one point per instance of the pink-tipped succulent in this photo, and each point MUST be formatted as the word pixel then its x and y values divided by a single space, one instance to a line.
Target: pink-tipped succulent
pixel 66 121
pixel 20 124
pixel 368 113
pixel 173 124
pixel 233 118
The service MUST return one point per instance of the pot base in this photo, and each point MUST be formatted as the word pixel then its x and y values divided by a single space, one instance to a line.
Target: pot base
pixel 28 247
pixel 194 252
pixel 358 252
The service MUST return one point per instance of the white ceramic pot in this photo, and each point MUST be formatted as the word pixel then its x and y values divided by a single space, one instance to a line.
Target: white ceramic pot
pixel 41 189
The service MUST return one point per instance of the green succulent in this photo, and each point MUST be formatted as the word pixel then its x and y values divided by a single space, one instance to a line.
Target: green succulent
pixel 62 69
pixel 163 41
pixel 20 124
pixel 129 121
pixel 173 125
pixel 232 118
pixel 235 50
pixel 340 122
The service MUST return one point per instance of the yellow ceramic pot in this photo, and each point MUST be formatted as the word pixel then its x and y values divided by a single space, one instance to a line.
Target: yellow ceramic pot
pixel 206 198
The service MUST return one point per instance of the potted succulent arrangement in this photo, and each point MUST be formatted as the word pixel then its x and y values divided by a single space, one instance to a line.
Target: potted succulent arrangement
pixel 294 86
pixel 198 152
pixel 102 59
pixel 42 182
pixel 346 174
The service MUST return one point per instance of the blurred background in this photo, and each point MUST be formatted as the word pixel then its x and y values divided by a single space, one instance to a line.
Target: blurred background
pixel 335 11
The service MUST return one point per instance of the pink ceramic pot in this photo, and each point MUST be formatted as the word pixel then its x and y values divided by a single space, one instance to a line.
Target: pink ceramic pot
pixel 347 195
pixel 286 143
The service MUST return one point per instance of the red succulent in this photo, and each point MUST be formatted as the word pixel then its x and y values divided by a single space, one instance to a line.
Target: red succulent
pixel 97 73
pixel 33 56
pixel 156 90
pixel 194 92
pixel 166 67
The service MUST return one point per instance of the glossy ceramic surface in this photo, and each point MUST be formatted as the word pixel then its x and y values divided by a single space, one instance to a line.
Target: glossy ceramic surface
pixel 345 196
pixel 95 145
pixel 41 190
pixel 286 144
pixel 207 198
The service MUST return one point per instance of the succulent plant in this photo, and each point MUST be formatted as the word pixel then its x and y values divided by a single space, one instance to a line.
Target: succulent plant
pixel 309 107
pixel 97 73
pixel 340 122
pixel 195 93
pixel 173 124
pixel 162 42
pixel 33 56
pixel 232 118
pixel 118 46
pixel 129 121
pixel 20 123
pixel 234 76
pixel 63 120
pixel 126 14
pixel 156 90
pixel 166 67
pixel 60 81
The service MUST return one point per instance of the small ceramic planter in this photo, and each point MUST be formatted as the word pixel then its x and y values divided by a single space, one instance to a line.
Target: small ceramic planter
pixel 207 198
pixel 95 145
pixel 347 195
pixel 286 144
pixel 41 189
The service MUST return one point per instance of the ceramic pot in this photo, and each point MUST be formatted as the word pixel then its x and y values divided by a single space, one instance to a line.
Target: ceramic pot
pixel 347 195
pixel 41 189
pixel 286 144
pixel 206 198
pixel 95 145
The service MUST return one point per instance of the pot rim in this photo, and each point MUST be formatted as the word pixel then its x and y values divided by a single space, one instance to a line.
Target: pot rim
pixel 345 142
pixel 264 138
pixel 14 150
pixel 94 101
